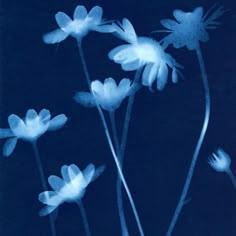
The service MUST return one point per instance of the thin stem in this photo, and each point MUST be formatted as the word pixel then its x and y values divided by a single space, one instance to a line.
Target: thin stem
pixel 84 64
pixel 84 218
pixel 124 228
pixel 232 177
pixel 198 146
pixel 43 182
pixel 85 68
pixel 121 152
pixel 114 131
pixel 120 170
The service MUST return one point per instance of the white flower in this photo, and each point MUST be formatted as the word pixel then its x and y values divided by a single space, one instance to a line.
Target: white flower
pixel 143 52
pixel 30 128
pixel 190 27
pixel 220 161
pixel 82 23
pixel 71 188
pixel 108 95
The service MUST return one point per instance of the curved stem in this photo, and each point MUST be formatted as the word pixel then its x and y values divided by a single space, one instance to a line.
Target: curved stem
pixel 198 146
pixel 114 131
pixel 120 171
pixel 85 68
pixel 43 182
pixel 232 177
pixel 84 218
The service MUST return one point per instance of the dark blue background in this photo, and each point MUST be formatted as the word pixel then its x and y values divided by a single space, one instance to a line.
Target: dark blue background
pixel 163 133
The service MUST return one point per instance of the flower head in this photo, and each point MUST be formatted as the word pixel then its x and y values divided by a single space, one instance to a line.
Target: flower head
pixel 143 52
pixel 30 128
pixel 71 188
pixel 82 23
pixel 190 27
pixel 108 95
pixel 220 161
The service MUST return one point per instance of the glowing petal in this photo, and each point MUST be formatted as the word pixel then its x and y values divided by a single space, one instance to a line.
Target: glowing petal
pixel 85 98
pixel 169 24
pixel 17 125
pixel 57 122
pixel 56 183
pixel 80 13
pixel 62 20
pixel 96 14
pixel 9 146
pixel 6 133
pixel 55 36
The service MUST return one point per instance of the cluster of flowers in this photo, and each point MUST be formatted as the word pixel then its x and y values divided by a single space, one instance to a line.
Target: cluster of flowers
pixel 152 65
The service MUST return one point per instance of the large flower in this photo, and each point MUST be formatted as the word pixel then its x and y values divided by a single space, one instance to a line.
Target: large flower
pixel 143 52
pixel 30 128
pixel 108 95
pixel 82 23
pixel 190 27
pixel 69 189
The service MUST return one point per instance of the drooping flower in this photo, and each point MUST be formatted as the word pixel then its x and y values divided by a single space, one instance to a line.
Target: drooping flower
pixel 220 161
pixel 30 128
pixel 143 52
pixel 71 188
pixel 108 95
pixel 190 28
pixel 82 23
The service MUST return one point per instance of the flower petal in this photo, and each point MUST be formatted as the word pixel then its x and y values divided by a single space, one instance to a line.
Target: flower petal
pixel 65 174
pixel 162 77
pixel 6 133
pixel 55 36
pixel 17 125
pixel 73 171
pixel 57 122
pixel 88 173
pixel 85 98
pixel 47 210
pixel 56 183
pixel 179 15
pixel 62 20
pixel 169 24
pixel 96 14
pixel 46 197
pixel 80 13
pixel 97 88
pixel 44 116
pixel 9 146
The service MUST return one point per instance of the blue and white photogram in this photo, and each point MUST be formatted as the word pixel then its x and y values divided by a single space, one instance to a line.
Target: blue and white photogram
pixel 140 97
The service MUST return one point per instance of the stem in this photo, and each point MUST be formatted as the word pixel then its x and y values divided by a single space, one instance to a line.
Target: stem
pixel 84 65
pixel 84 218
pixel 120 170
pixel 114 131
pixel 43 182
pixel 198 146
pixel 232 177
pixel 85 68
pixel 121 155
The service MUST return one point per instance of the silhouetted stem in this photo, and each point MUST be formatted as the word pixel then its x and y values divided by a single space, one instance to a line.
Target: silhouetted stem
pixel 232 177
pixel 43 182
pixel 120 170
pixel 120 154
pixel 114 131
pixel 85 68
pixel 84 218
pixel 198 146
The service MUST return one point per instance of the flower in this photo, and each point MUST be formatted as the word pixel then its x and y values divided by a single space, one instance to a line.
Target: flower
pixel 143 52
pixel 108 95
pixel 220 161
pixel 190 27
pixel 82 23
pixel 71 188
pixel 30 128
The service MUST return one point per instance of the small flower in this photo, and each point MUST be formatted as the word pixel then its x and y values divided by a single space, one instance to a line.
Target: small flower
pixel 82 23
pixel 71 188
pixel 108 95
pixel 143 52
pixel 30 128
pixel 190 27
pixel 220 161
